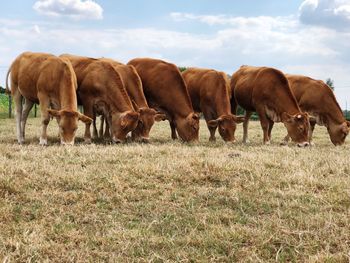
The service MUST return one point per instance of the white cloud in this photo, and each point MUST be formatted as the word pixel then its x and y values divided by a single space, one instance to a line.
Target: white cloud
pixel 36 29
pixel 281 42
pixel 76 9
pixel 328 13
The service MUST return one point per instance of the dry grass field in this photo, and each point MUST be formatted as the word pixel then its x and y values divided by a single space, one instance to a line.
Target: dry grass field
pixel 173 202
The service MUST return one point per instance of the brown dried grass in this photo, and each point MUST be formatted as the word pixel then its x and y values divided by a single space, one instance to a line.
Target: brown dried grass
pixel 169 201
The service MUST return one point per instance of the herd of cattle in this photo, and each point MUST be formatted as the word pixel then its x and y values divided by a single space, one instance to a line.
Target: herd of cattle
pixel 131 97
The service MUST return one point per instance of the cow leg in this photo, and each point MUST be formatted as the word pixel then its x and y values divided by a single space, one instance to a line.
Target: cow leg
pixel 173 129
pixel 17 98
pixel 45 119
pixel 248 114
pixel 88 111
pixel 212 134
pixel 94 128
pixel 108 131
pixel 311 131
pixel 58 125
pixel 265 123
pixel 28 105
pixel 271 123
pixel 102 120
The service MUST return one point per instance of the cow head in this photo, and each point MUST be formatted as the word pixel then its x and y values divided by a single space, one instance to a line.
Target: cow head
pixel 122 124
pixel 338 132
pixel 147 118
pixel 68 124
pixel 298 127
pixel 188 128
pixel 227 126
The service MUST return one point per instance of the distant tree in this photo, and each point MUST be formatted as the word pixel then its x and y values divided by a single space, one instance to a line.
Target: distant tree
pixel 330 83
pixel 2 90
pixel 182 69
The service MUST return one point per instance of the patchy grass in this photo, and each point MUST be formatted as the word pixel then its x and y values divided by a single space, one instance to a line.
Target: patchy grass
pixel 169 201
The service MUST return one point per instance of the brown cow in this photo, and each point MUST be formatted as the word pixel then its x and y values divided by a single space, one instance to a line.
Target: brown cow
pixel 166 91
pixel 266 91
pixel 210 93
pixel 51 82
pixel 318 100
pixel 133 86
pixel 101 91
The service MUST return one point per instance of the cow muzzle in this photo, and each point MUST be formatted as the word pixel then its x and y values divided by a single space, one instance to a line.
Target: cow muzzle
pixel 303 144
pixel 116 140
pixel 67 143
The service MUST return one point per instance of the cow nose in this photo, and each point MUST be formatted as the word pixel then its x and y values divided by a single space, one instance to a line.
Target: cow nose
pixel 304 144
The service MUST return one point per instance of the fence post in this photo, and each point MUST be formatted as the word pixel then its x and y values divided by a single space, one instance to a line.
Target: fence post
pixel 10 106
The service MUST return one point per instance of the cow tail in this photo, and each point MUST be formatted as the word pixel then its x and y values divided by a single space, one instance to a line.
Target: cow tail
pixel 7 90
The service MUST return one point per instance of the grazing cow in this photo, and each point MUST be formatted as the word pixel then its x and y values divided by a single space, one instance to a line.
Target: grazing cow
pixel 166 91
pixel 318 100
pixel 210 93
pixel 51 82
pixel 133 86
pixel 266 91
pixel 101 91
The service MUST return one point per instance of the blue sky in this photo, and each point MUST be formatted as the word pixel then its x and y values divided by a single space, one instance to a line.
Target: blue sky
pixel 309 37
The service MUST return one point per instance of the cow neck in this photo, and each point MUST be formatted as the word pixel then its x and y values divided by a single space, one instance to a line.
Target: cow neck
pixel 184 106
pixel 136 94
pixel 133 86
pixel 117 95
pixel 67 92
pixel 222 101
pixel 182 110
pixel 286 102
pixel 117 98
pixel 335 115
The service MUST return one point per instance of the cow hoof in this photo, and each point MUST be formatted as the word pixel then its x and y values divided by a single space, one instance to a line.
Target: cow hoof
pixel 284 143
pixel 267 143
pixel 246 142
pixel 212 139
pixel 43 142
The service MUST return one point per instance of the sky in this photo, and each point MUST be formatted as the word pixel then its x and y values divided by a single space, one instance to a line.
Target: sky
pixel 308 37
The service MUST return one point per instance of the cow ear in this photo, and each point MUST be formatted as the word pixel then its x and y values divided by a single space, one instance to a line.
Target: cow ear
pixel 286 117
pixel 128 118
pixel 84 118
pixel 239 119
pixel 53 113
pixel 214 123
pixel 195 116
pixel 160 117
